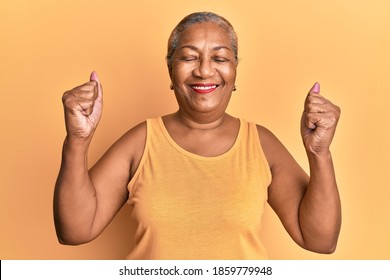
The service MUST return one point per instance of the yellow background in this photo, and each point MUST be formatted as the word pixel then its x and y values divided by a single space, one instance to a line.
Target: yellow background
pixel 47 47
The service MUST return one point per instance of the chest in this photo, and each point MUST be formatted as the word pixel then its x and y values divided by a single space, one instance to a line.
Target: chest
pixel 187 197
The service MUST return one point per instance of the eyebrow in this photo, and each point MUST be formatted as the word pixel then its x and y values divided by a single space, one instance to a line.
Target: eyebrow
pixel 217 48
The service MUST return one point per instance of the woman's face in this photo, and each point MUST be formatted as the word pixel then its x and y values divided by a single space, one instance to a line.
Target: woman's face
pixel 203 69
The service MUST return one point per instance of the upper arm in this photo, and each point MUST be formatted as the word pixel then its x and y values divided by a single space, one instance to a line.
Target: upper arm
pixel 111 174
pixel 288 186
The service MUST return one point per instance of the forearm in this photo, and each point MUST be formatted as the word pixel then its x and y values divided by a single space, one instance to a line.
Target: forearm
pixel 320 209
pixel 74 196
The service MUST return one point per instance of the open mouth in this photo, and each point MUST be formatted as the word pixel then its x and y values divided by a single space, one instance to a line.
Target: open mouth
pixel 203 88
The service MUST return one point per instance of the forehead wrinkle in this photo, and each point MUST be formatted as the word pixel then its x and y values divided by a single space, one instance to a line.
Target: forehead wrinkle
pixel 188 47
pixel 216 48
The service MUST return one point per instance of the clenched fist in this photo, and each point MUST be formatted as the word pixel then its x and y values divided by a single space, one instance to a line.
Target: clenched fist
pixel 319 121
pixel 83 108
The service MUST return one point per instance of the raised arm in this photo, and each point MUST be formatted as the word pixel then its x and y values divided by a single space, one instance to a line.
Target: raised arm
pixel 309 207
pixel 85 201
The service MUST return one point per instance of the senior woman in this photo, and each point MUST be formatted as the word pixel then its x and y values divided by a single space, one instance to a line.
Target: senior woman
pixel 198 179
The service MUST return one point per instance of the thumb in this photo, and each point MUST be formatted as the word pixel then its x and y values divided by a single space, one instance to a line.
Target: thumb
pixel 315 88
pixel 94 77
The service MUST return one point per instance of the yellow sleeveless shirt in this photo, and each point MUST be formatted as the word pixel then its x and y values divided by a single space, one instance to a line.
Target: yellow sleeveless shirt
pixel 188 206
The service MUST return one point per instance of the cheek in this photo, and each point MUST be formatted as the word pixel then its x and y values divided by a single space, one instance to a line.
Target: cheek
pixel 229 74
pixel 179 74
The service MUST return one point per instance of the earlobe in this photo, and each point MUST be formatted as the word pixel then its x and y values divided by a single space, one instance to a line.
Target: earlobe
pixel 171 86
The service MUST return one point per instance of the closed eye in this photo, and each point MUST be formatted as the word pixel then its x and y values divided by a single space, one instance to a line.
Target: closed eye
pixel 220 59
pixel 188 58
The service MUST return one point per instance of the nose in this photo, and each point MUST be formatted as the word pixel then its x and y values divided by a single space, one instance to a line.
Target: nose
pixel 204 69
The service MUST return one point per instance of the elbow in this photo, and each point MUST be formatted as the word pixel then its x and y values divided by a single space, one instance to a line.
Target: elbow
pixel 68 241
pixel 65 241
pixel 331 249
pixel 327 248
pixel 72 239
pixel 68 236
pixel 323 241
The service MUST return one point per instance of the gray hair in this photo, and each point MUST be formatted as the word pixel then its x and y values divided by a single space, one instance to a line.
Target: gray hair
pixel 200 17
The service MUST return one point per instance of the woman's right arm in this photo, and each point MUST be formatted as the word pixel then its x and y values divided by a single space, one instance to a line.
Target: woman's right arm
pixel 85 201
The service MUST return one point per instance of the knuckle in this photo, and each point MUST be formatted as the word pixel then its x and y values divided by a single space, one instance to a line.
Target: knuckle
pixel 94 83
pixel 90 103
pixel 68 103
pixel 66 98
pixel 66 94
pixel 310 99
pixel 86 104
pixel 311 107
pixel 335 115
pixel 334 119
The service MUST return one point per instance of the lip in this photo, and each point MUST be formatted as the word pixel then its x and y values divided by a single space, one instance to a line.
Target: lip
pixel 204 88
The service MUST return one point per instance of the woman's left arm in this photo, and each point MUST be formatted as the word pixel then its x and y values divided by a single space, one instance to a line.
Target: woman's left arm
pixel 308 207
pixel 320 209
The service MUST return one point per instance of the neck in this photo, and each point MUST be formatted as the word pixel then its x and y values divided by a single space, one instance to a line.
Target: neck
pixel 201 121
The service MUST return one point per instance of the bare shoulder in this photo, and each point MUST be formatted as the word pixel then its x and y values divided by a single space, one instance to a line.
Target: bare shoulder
pixel 271 145
pixel 132 140
pixel 124 155
pixel 265 133
pixel 136 136
pixel 286 172
pixel 132 144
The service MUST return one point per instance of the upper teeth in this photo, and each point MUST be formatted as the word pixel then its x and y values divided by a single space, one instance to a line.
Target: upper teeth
pixel 204 87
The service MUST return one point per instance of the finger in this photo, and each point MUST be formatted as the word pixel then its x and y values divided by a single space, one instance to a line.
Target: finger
pixel 91 87
pixel 315 108
pixel 94 77
pixel 313 95
pixel 311 120
pixel 85 107
pixel 315 88
pixel 80 93
pixel 73 102
pixel 316 102
pixel 325 120
pixel 315 98
pixel 311 123
pixel 320 108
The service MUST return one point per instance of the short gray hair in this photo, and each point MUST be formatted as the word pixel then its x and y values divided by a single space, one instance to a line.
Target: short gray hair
pixel 200 17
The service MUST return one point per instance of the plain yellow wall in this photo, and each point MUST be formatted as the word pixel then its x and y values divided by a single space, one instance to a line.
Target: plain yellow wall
pixel 47 47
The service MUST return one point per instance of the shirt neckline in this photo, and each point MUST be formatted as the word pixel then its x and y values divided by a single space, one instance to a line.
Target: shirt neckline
pixel 196 156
